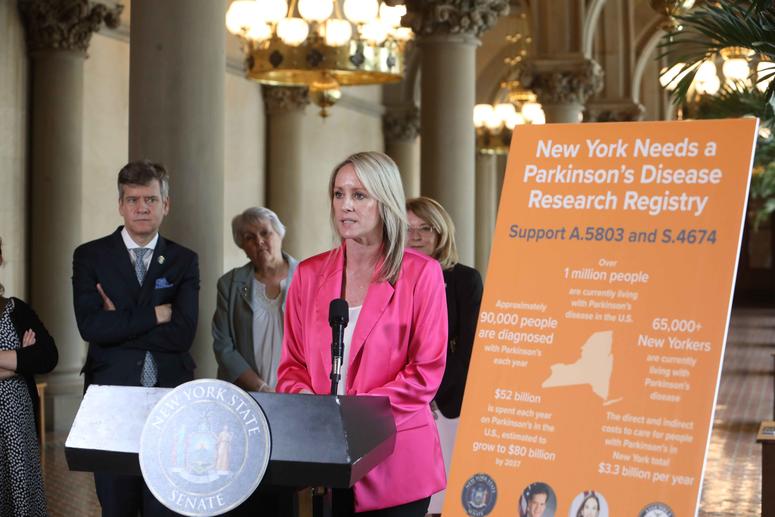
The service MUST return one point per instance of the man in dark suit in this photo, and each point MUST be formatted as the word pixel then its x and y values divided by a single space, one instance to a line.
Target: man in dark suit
pixel 136 297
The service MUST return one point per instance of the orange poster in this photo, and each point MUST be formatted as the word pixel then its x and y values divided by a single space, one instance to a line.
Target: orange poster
pixel 599 344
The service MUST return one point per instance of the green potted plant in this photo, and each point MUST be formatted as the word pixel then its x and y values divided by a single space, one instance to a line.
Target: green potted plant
pixel 715 27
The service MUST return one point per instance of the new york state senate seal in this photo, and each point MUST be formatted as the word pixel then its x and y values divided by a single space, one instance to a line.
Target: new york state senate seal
pixel 656 509
pixel 204 448
pixel 479 495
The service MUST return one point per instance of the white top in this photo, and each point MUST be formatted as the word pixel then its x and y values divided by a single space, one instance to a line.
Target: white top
pixel 349 330
pixel 267 329
pixel 131 244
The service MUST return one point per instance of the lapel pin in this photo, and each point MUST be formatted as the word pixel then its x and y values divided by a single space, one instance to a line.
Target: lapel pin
pixel 160 260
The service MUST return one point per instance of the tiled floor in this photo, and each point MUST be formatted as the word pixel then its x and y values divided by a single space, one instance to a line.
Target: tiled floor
pixel 733 471
pixel 69 494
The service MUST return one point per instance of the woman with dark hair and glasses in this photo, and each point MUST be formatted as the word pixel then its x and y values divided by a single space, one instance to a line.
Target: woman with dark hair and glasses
pixel 432 232
pixel 26 349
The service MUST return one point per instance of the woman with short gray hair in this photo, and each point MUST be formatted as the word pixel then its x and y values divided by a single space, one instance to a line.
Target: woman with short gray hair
pixel 248 322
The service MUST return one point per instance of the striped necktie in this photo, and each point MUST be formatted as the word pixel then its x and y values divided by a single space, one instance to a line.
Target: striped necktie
pixel 140 269
pixel 149 375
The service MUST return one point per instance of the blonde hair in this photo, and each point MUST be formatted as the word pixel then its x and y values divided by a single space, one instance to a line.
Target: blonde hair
pixel 380 177
pixel 430 211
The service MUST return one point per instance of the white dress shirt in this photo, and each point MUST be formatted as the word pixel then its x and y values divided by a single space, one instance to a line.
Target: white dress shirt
pixel 349 330
pixel 131 244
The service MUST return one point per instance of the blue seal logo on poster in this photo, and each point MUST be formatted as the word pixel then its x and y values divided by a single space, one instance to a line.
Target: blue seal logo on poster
pixel 656 510
pixel 204 448
pixel 479 494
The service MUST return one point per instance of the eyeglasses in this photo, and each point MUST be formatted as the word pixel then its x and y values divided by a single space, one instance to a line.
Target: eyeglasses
pixel 422 230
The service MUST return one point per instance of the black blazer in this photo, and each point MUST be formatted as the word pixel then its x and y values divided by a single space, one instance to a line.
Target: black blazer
pixel 464 296
pixel 119 339
pixel 39 358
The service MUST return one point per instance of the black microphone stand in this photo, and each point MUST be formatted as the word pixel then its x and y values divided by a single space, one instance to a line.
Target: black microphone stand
pixel 338 318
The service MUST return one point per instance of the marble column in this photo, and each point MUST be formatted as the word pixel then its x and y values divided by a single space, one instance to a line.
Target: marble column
pixel 401 127
pixel 487 178
pixel 285 109
pixel 562 86
pixel 614 49
pixel 14 207
pixel 177 70
pixel 447 33
pixel 58 35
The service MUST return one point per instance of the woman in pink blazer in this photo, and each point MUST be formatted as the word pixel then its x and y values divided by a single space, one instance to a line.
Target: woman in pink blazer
pixel 395 342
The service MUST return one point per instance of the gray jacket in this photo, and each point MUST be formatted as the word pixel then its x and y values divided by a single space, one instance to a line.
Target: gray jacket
pixel 232 326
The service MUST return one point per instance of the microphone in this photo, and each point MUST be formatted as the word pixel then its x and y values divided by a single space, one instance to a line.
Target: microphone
pixel 338 318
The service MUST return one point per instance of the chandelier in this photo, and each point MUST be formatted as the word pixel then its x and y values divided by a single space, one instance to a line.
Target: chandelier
pixel 513 106
pixel 495 123
pixel 320 44
pixel 731 68
pixel 736 64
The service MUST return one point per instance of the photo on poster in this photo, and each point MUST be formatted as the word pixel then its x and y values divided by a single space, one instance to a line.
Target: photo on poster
pixel 589 503
pixel 538 500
